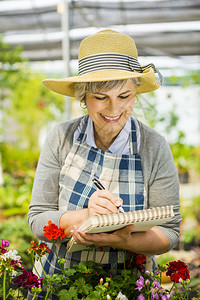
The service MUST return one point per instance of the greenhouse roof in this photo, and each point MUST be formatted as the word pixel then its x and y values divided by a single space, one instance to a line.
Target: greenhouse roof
pixel 166 29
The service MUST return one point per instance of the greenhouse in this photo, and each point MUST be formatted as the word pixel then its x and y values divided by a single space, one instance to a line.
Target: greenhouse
pixel 89 129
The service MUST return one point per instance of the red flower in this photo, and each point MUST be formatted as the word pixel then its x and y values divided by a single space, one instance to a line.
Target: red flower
pixel 135 260
pixel 178 270
pixel 41 104
pixel 53 232
pixel 140 259
pixel 28 279
pixel 40 249
pixel 16 265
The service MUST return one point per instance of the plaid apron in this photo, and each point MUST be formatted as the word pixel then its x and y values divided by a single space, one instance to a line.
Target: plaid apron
pixel 121 174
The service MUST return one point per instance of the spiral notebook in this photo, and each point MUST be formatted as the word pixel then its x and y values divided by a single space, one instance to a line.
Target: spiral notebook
pixel 142 219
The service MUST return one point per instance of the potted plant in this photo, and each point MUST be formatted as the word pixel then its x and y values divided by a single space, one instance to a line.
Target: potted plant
pixel 88 280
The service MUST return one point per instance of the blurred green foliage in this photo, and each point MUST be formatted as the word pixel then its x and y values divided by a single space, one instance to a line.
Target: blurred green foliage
pixel 15 194
pixel 17 232
pixel 10 66
pixel 164 259
pixel 192 78
pixel 186 157
pixel 191 236
pixel 181 153
pixel 26 107
pixel 190 213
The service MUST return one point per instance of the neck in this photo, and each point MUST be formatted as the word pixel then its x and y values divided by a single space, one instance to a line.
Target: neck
pixel 103 142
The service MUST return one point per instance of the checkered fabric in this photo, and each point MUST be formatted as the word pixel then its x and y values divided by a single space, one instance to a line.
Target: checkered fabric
pixel 120 174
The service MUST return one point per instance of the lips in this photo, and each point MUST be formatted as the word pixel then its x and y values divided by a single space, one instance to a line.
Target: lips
pixel 110 119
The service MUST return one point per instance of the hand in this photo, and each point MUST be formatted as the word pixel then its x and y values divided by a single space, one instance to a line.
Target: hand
pixel 103 202
pixel 118 239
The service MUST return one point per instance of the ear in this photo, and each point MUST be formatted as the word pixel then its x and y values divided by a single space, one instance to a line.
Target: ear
pixel 83 103
pixel 137 99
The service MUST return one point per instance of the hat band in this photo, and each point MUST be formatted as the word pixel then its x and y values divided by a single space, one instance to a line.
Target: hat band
pixel 112 61
pixel 105 61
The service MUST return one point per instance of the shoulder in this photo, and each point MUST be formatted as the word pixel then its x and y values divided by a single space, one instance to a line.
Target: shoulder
pixel 70 125
pixel 156 157
pixel 64 130
pixel 154 149
pixel 59 139
pixel 151 140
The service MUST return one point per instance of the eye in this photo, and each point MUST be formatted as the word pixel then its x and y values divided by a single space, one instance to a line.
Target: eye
pixel 100 98
pixel 124 97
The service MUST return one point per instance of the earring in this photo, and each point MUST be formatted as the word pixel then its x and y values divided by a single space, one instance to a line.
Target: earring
pixel 137 99
pixel 83 104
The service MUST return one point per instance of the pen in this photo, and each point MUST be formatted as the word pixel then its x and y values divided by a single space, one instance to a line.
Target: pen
pixel 100 186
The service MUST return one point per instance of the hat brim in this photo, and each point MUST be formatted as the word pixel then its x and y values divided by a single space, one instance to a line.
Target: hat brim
pixel 65 86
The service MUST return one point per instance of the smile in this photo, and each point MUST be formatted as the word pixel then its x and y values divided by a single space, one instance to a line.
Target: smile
pixel 114 119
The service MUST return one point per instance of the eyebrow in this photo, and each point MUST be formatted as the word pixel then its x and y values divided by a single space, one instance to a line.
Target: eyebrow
pixel 106 94
pixel 98 93
pixel 125 92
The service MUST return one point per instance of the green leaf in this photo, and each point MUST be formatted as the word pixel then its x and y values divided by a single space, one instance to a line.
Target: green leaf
pixel 1 289
pixel 82 287
pixel 95 295
pixel 68 295
pixel 69 272
pixel 82 268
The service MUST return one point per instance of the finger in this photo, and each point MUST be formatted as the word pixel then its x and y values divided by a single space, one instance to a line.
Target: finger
pixel 129 229
pixel 105 194
pixel 99 210
pixel 102 205
pixel 120 200
pixel 125 230
pixel 93 239
pixel 84 236
pixel 81 234
pixel 79 239
pixel 106 205
pixel 108 195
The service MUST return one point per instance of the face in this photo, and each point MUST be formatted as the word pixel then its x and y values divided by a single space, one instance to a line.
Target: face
pixel 111 109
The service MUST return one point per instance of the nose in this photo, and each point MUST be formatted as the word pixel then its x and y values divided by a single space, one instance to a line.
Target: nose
pixel 113 107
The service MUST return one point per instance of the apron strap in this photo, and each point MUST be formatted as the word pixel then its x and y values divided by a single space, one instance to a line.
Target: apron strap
pixel 82 135
pixel 133 138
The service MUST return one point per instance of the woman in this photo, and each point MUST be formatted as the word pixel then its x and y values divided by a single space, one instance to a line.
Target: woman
pixel 130 159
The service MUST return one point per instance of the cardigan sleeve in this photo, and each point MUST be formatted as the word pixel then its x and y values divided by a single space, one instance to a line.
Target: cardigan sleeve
pixel 45 192
pixel 44 198
pixel 161 181
pixel 164 190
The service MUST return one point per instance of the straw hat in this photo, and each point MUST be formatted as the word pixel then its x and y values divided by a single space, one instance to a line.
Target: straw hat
pixel 107 55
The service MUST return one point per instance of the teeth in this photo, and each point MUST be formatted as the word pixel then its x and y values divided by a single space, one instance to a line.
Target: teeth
pixel 108 118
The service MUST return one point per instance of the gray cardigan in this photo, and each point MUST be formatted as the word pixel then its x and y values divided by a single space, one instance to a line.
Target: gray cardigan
pixel 159 171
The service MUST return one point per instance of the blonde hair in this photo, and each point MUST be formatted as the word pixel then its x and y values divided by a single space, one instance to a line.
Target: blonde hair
pixel 81 88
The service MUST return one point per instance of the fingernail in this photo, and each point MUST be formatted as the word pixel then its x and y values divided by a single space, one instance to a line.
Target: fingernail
pixel 71 231
pixel 118 203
